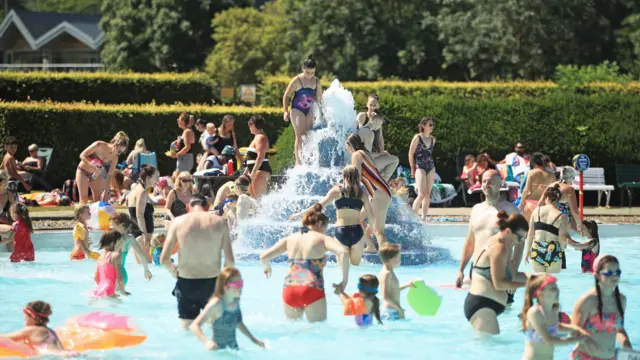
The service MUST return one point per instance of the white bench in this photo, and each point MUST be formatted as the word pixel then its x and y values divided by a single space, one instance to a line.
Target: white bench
pixel 594 181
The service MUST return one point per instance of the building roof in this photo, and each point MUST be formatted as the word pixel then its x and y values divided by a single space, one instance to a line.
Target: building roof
pixel 39 28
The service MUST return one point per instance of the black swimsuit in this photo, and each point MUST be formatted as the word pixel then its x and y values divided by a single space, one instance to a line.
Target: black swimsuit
pixel 178 207
pixel 148 219
pixel 252 155
pixel 547 253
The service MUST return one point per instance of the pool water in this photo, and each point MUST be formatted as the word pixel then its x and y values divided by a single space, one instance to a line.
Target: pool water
pixel 66 284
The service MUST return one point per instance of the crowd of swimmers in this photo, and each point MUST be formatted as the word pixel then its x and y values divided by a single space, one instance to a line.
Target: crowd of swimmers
pixel 208 290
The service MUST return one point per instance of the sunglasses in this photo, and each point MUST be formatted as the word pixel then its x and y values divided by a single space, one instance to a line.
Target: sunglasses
pixel 611 273
pixel 235 284
pixel 430 125
pixel 186 180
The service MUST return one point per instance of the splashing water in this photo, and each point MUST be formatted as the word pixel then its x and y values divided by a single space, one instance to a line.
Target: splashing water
pixel 323 156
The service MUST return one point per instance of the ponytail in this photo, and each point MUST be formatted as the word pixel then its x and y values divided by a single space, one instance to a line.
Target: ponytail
pixel 513 222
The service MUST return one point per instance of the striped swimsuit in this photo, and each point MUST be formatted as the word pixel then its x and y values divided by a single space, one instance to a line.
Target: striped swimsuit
pixel 371 178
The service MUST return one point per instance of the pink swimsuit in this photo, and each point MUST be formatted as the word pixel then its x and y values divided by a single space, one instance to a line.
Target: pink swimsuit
pixel 610 323
pixel 107 276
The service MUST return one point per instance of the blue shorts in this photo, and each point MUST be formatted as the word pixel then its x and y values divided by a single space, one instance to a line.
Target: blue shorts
pixel 391 314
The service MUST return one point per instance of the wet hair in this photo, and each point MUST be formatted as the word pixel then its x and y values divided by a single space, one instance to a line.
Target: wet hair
pixel 109 239
pixel 42 312
pixel 10 140
pixel 356 143
pixel 553 193
pixel 226 274
pixel 120 139
pixel 371 281
pixel 592 227
pixel 423 123
pixel 205 190
pixel 388 251
pixel 243 180
pixel 513 222
pixel 146 171
pixel 258 121
pixel 225 120
pixel 606 259
pixel 314 216
pixel 537 158
pixel 124 220
pixel 232 197
pixel 199 200
pixel 79 210
pixel 351 182
pixel 310 63
pixel 23 214
pixel 534 282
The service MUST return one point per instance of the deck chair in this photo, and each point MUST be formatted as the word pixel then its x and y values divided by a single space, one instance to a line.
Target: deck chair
pixel 143 159
pixel 45 153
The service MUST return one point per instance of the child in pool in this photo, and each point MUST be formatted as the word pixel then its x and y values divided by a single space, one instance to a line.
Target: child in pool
pixel 390 286
pixel 223 310
pixel 157 242
pixel 20 233
pixel 540 321
pixel 81 235
pixel 109 270
pixel 122 223
pixel 36 333
pixel 364 304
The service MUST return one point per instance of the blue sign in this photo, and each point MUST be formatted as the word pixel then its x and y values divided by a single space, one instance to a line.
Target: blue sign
pixel 581 162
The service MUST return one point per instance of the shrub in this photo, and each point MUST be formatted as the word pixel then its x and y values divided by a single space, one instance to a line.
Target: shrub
pixel 70 128
pixel 574 75
pixel 108 88
pixel 271 91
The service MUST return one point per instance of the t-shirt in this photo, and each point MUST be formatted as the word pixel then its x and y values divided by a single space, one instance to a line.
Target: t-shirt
pixel 209 141
pixel 519 165
pixel 212 163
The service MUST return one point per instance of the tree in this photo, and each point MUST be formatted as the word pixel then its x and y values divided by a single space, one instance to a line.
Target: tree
pixel 68 6
pixel 127 33
pixel 357 39
pixel 248 44
pixel 159 35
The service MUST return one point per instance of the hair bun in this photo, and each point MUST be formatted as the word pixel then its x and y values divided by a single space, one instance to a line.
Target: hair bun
pixel 317 207
pixel 502 215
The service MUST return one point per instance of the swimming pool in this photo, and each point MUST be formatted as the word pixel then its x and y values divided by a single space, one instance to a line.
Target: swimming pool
pixel 66 284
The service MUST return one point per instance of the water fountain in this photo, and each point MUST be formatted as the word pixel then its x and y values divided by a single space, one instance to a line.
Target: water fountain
pixel 324 155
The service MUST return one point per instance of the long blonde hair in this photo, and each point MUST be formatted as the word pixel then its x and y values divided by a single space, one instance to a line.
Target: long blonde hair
pixel 120 139
pixel 178 183
pixel 140 145
pixel 225 120
pixel 533 285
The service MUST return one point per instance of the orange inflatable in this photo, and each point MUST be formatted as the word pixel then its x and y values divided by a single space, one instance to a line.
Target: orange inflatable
pixel 355 306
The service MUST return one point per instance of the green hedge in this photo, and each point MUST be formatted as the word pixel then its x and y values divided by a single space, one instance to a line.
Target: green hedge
pixel 108 88
pixel 70 128
pixel 271 90
pixel 604 126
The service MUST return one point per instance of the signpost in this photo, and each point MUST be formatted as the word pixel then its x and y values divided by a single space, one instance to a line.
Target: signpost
pixel 581 163
pixel 248 93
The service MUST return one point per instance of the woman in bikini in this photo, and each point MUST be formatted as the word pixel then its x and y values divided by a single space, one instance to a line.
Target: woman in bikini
pixel 537 181
pixel 377 188
pixel 306 88
pixel 258 167
pixel 140 210
pixel 97 167
pixel 601 312
pixel 492 276
pixel 568 204
pixel 423 169
pixel 549 235
pixel 349 199
pixel 303 292
pixel 371 121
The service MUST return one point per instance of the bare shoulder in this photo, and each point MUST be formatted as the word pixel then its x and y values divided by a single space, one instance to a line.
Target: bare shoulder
pixel 508 207
pixel 589 299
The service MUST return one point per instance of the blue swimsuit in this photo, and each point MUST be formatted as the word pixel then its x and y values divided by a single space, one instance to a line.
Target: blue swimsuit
pixel 303 98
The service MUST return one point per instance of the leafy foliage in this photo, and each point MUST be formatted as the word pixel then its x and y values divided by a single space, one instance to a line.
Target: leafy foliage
pixel 242 53
pixel 572 75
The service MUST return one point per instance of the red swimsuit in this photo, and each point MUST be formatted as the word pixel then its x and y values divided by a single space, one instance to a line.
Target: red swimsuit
pixel 23 249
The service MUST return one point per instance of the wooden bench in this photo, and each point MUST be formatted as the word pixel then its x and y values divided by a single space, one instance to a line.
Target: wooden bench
pixel 594 181
pixel 628 178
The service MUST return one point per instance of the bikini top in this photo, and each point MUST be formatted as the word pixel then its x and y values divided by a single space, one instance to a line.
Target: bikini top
pixel 347 202
pixel 50 341
pixel 539 225
pixel 533 336
pixel 178 207
pixel 485 271
pixel 609 323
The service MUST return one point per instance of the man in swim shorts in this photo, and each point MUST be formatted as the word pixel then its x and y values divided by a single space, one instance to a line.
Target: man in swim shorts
pixel 483 224
pixel 201 237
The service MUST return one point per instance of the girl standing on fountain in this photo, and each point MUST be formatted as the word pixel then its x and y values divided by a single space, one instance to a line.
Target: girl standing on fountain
pixel 423 169
pixel 379 191
pixel 349 199
pixel 258 167
pixel 303 291
pixel 306 88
